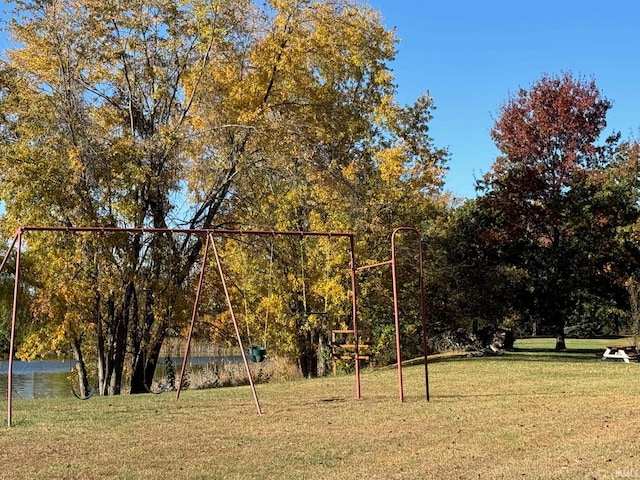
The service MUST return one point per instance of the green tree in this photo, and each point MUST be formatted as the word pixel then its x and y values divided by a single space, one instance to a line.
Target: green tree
pixel 469 276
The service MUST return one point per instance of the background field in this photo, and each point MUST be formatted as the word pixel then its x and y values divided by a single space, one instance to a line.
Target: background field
pixel 526 414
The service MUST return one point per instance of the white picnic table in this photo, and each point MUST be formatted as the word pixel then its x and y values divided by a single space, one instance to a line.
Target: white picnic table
pixel 621 352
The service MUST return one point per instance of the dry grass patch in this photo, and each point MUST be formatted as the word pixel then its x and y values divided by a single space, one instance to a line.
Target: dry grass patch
pixel 507 417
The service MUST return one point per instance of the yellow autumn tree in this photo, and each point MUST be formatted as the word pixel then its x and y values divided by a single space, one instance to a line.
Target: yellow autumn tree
pixel 339 154
pixel 157 113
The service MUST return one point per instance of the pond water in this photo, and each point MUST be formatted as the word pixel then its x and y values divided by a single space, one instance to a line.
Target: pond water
pixel 41 378
pixel 51 378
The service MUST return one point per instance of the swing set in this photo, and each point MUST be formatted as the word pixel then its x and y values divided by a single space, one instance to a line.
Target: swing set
pixel 253 352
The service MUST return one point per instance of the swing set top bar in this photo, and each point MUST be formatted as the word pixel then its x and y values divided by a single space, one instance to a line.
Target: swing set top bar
pixel 194 231
pixel 213 231
pixel 210 232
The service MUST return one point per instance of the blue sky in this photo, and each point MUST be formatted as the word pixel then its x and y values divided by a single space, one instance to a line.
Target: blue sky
pixel 471 55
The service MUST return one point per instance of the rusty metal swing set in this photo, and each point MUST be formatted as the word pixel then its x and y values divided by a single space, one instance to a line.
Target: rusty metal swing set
pixel 210 244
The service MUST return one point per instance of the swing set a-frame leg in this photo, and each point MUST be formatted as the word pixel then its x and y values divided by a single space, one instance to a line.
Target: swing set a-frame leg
pixel 17 240
pixel 211 242
pixel 235 326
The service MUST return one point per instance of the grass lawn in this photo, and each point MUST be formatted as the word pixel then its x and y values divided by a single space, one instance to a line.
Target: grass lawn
pixel 527 414
pixel 573 344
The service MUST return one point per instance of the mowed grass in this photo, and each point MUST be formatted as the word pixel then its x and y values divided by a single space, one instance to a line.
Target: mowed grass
pixel 527 414
pixel 575 345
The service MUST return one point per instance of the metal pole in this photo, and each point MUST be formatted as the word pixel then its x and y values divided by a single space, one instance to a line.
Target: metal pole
pixel 354 313
pixel 196 231
pixel 396 314
pixel 423 314
pixel 422 307
pixel 6 255
pixel 193 317
pixel 373 265
pixel 235 326
pixel 14 314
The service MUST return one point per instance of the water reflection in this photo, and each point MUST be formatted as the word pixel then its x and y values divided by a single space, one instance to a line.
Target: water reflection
pixel 42 378
pixel 50 378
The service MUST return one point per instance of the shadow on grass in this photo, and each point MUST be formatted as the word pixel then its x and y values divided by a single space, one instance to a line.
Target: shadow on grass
pixel 505 394
pixel 528 355
pixel 590 351
pixel 540 355
pixel 516 355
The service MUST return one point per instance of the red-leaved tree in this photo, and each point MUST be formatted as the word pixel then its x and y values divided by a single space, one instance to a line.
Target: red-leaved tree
pixel 550 164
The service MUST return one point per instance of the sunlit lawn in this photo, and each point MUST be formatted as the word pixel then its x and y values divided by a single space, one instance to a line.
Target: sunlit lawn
pixel 527 414
pixel 573 344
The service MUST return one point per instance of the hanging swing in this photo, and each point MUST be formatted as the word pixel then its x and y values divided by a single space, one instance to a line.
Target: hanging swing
pixel 73 380
pixel 257 353
pixel 308 312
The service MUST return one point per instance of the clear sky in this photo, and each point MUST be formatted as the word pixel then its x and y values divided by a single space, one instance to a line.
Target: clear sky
pixel 470 55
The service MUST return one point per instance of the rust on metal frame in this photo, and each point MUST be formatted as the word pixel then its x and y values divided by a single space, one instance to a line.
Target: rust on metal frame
pixel 396 310
pixel 194 231
pixel 235 324
pixel 354 307
pixel 14 311
pixel 193 316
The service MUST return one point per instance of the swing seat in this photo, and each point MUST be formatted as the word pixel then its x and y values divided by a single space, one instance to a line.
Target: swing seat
pixel 257 353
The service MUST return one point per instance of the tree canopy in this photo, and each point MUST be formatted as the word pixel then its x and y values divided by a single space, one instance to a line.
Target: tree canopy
pixel 558 201
pixel 155 113
pixel 282 115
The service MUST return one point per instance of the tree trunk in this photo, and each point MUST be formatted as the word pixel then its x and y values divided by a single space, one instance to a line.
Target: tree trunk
pixel 308 359
pixel 147 345
pixel 320 349
pixel 81 370
pixel 153 354
pixel 560 341
pixel 108 348
pixel 633 288
pixel 101 367
pixel 137 375
pixel 558 322
pixel 140 336
pixel 120 341
pixel 144 366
